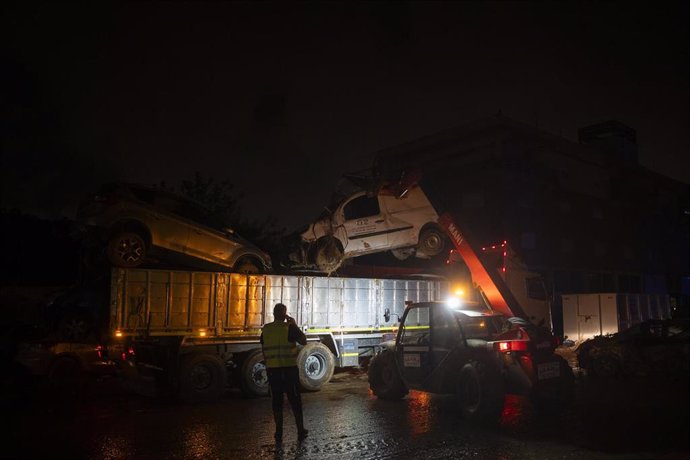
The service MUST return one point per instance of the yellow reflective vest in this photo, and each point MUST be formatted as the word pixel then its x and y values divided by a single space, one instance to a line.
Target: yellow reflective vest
pixel 278 352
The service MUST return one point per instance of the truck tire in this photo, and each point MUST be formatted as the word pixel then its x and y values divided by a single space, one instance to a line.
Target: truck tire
pixel 384 379
pixel 202 377
pixel 126 249
pixel 253 378
pixel 316 365
pixel 481 393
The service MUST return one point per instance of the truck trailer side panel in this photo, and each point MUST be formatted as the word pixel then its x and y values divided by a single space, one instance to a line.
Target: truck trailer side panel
pixel 160 302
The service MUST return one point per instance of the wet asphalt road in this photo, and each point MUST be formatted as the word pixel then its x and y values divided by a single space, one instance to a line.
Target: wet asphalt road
pixel 648 420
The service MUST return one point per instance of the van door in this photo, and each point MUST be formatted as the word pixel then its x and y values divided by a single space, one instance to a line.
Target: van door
pixel 364 225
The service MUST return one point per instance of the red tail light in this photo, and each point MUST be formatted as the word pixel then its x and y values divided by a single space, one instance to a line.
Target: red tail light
pixel 128 354
pixel 99 350
pixel 512 345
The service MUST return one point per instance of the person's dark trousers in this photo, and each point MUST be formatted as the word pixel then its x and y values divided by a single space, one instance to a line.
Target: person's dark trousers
pixel 285 380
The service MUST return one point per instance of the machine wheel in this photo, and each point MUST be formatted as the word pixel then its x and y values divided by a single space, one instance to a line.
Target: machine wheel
pixel 74 328
pixel 254 380
pixel 247 265
pixel 604 365
pixel 384 379
pixel 202 377
pixel 328 254
pixel 481 393
pixel 431 242
pixel 316 365
pixel 126 249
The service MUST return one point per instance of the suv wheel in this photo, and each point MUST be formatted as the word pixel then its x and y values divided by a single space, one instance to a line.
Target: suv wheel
pixel 248 266
pixel 127 249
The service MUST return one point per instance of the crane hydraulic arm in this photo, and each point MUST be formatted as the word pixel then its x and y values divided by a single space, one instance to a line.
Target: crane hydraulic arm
pixel 491 285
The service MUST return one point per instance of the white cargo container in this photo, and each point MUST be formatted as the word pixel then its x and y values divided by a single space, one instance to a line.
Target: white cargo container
pixel 589 315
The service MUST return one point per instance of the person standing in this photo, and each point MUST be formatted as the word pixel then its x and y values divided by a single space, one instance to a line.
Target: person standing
pixel 279 343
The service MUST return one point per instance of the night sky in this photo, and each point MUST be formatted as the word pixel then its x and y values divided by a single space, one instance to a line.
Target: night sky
pixel 281 99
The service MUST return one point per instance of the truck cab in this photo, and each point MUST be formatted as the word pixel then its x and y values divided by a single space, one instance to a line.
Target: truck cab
pixel 478 354
pixel 370 222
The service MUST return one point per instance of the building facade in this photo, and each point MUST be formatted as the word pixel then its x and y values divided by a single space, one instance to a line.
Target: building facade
pixel 585 215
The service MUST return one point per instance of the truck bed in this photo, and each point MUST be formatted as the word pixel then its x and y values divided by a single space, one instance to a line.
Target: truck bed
pixel 216 304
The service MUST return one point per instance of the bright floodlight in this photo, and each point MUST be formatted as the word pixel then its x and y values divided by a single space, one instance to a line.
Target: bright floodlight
pixel 453 302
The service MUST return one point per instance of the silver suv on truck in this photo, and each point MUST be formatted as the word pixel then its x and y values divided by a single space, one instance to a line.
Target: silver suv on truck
pixel 138 221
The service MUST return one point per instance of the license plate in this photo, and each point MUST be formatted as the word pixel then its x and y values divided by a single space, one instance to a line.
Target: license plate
pixel 411 360
pixel 548 370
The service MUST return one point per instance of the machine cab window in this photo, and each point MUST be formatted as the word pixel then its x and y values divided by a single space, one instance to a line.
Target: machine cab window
pixel 416 327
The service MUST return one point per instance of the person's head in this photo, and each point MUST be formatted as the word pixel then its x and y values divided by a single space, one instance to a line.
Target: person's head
pixel 280 312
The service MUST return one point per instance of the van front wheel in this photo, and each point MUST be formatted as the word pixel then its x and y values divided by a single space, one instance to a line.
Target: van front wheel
pixel 431 242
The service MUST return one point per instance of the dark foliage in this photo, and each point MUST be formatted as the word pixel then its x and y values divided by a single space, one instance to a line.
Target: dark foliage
pixel 221 198
pixel 37 251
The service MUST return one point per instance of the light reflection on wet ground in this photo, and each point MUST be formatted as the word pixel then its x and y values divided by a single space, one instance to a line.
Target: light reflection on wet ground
pixel 345 422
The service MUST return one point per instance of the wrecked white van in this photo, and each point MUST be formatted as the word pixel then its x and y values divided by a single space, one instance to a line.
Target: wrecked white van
pixel 366 223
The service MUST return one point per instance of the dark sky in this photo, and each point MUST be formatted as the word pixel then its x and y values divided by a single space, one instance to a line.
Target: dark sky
pixel 281 99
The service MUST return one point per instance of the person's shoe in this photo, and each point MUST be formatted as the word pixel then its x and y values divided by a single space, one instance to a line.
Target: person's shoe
pixel 302 434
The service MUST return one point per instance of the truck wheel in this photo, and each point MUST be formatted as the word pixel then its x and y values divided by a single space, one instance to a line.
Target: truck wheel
pixel 126 249
pixel 328 254
pixel 431 242
pixel 254 380
pixel 481 393
pixel 384 380
pixel 316 365
pixel 202 377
